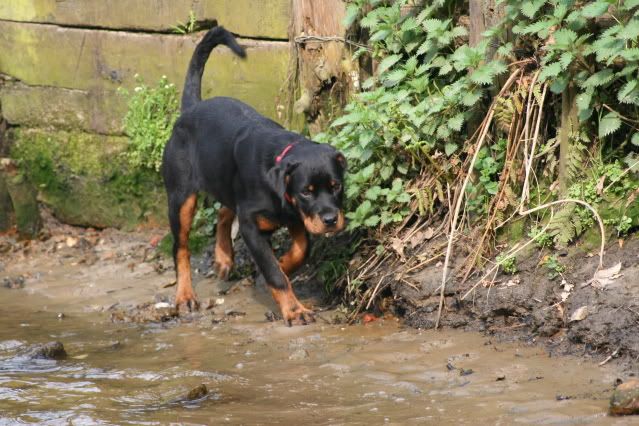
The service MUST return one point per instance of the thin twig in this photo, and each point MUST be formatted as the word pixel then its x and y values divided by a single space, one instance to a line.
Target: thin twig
pixel 485 126
pixel 508 255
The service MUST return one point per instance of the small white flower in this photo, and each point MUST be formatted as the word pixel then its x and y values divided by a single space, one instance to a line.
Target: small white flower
pixel 138 89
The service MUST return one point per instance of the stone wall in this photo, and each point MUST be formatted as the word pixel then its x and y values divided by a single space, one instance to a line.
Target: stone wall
pixel 62 62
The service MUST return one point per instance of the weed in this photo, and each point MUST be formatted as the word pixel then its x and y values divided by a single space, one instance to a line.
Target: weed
pixel 542 238
pixel 188 27
pixel 508 264
pixel 149 120
pixel 555 268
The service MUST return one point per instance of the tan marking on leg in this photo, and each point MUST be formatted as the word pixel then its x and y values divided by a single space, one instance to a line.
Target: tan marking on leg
pixel 291 308
pixel 223 243
pixel 185 294
pixel 294 257
pixel 264 224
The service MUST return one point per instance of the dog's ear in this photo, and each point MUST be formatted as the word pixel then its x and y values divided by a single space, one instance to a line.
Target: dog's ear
pixel 341 161
pixel 279 175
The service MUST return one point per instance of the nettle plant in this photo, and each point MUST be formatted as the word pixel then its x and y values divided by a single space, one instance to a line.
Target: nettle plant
pixel 428 82
pixel 591 46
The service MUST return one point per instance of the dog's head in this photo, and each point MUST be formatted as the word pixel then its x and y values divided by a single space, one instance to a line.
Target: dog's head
pixel 311 179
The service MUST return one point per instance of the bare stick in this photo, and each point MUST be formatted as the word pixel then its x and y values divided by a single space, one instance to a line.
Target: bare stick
pixel 485 126
pixel 510 254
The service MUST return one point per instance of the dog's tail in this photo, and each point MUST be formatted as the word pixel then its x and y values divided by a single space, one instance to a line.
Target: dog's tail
pixel 193 84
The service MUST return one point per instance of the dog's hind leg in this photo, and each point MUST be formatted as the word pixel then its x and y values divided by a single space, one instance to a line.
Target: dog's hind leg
pixel 181 212
pixel 294 257
pixel 223 243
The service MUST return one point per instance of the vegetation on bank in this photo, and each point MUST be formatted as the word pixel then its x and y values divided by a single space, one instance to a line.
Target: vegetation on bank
pixel 547 100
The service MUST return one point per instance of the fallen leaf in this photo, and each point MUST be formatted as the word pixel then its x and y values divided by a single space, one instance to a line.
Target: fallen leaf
pixel 421 236
pixel 605 276
pixel 83 356
pixel 398 245
pixel 171 284
pixel 366 318
pixel 155 240
pixel 579 314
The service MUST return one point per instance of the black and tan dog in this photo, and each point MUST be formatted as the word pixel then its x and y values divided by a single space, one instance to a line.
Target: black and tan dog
pixel 265 175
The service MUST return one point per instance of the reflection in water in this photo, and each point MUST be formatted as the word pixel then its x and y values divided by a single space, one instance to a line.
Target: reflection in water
pixel 265 373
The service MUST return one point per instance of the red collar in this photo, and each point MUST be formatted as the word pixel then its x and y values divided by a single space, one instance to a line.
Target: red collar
pixel 284 152
pixel 278 159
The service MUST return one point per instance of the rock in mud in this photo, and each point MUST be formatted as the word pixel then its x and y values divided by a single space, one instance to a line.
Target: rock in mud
pixel 625 399
pixel 51 350
pixel 299 355
pixel 196 393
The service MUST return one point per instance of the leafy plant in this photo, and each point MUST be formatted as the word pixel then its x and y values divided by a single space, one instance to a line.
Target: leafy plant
pixel 413 112
pixel 149 120
pixel 186 27
pixel 555 268
pixel 542 238
pixel 508 263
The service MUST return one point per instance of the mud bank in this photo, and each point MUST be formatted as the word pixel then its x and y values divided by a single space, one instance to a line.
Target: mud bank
pixel 107 296
pixel 567 313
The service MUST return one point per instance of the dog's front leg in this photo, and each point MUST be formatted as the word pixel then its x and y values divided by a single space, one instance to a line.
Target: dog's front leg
pixel 292 310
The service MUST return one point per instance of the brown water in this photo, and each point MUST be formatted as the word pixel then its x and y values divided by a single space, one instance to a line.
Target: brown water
pixel 260 372
pixel 266 373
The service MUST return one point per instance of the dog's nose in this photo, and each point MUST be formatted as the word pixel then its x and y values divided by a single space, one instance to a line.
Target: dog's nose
pixel 329 219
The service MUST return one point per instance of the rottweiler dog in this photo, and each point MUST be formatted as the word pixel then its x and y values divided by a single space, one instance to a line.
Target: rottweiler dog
pixel 265 175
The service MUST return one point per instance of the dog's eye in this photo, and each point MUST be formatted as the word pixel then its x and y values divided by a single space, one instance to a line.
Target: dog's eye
pixel 308 191
pixel 336 186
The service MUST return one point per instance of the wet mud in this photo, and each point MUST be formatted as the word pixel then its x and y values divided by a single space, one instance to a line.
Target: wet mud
pixel 567 314
pixel 107 297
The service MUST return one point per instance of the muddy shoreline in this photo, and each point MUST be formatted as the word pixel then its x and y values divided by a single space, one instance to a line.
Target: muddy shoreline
pixel 107 295
pixel 566 314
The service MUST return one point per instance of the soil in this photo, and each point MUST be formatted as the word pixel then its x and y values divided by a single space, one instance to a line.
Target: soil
pixel 531 306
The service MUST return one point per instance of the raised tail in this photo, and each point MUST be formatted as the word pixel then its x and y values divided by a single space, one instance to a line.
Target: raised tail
pixel 192 93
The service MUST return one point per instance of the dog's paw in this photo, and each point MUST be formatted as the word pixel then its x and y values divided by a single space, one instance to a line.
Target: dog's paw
pixel 186 302
pixel 222 269
pixel 298 315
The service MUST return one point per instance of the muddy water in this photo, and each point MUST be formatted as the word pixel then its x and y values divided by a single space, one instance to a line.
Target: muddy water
pixel 266 373
pixel 259 372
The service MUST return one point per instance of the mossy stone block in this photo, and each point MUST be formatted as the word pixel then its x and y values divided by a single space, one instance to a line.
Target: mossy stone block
pixel 95 111
pixel 98 62
pixel 249 18
pixel 86 180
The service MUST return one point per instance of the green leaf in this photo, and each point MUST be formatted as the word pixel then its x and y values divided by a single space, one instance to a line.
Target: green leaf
pixel 394 77
pixel 372 221
pixel 635 139
pixel 450 148
pixel 599 78
pixel 456 122
pixel 609 124
pixel 630 31
pixel 352 12
pixel 595 9
pixel 388 62
pixel 583 100
pixel 566 59
pixel 549 71
pixel 628 93
pixel 565 37
pixel 470 98
pixel 482 75
pixel 409 24
pixel 530 8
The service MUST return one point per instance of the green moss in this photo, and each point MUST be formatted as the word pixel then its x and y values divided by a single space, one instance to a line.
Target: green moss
pixel 86 181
